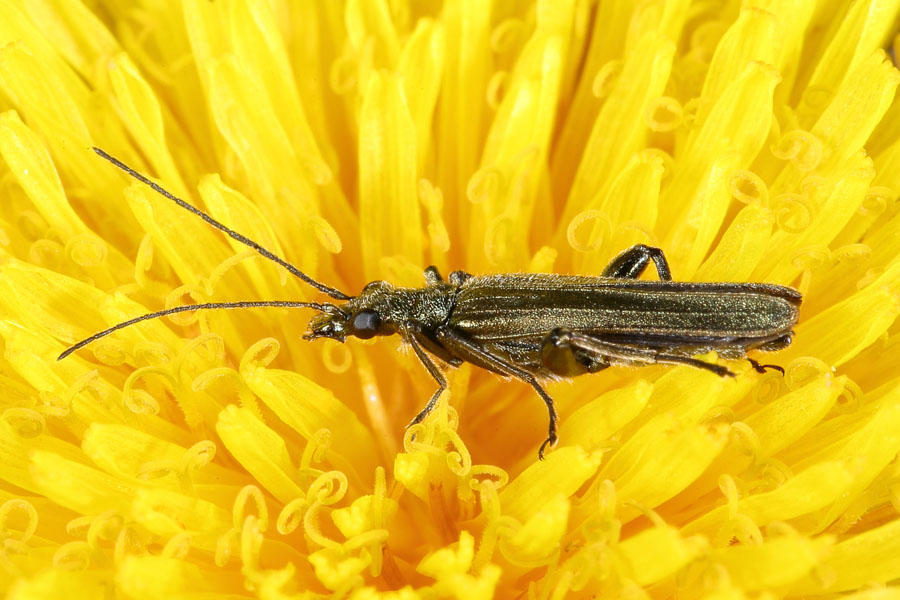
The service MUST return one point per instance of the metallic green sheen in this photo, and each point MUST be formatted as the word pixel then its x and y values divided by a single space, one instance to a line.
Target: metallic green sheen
pixel 499 307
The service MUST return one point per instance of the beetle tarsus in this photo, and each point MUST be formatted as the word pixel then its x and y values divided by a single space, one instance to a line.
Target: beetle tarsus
pixel 550 441
pixel 760 368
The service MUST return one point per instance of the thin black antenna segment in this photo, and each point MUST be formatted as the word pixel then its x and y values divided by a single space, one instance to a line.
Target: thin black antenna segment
pixel 333 292
pixel 190 307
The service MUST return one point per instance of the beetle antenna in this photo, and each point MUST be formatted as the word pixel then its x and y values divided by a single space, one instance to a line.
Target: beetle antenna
pixel 323 307
pixel 334 293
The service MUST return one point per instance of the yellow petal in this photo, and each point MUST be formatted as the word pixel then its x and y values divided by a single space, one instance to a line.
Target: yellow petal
pixel 307 408
pixel 594 423
pixel 855 561
pixel 260 450
pixel 389 207
pixel 562 472
pixel 776 563
pixel 540 536
pixel 806 492
pixel 655 553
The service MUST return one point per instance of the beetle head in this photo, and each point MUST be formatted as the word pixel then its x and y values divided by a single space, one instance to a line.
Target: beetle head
pixel 364 316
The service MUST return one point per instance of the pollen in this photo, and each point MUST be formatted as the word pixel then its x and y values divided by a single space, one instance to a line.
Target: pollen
pixel 218 453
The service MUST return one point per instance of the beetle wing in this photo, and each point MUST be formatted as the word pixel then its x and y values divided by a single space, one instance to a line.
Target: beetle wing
pixel 508 307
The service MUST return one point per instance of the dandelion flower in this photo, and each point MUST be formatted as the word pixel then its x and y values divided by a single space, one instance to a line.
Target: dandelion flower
pixel 218 454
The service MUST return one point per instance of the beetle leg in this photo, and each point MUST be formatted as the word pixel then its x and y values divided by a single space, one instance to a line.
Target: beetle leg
pixel 612 352
pixel 779 343
pixel 435 372
pixel 632 262
pixel 762 368
pixel 457 277
pixel 472 352
pixel 432 275
pixel 562 358
pixel 674 359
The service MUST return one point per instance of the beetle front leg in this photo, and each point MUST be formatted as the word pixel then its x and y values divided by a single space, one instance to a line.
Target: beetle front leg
pixel 632 262
pixel 435 372
pixel 432 275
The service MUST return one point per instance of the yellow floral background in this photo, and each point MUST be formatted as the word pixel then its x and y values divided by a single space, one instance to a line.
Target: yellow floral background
pixel 219 455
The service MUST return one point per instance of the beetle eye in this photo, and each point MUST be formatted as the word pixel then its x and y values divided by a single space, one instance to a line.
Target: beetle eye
pixel 365 324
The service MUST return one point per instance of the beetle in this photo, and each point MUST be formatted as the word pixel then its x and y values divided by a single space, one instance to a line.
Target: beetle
pixel 538 327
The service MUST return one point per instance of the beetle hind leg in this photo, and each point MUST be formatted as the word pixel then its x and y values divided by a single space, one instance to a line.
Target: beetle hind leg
pixel 616 353
pixel 760 368
pixel 632 262
pixel 561 357
pixel 694 362
pixel 779 343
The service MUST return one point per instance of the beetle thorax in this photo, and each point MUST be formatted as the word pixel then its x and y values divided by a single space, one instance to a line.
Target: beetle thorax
pixel 398 308
pixel 382 309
